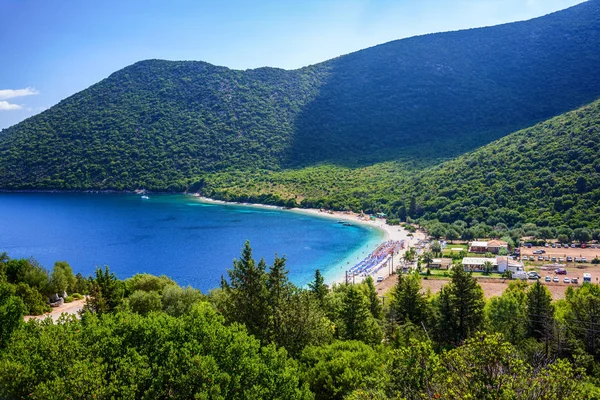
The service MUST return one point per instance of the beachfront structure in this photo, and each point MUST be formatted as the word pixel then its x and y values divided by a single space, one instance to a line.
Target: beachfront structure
pixel 476 263
pixel 440 263
pixel 492 246
pixel 507 263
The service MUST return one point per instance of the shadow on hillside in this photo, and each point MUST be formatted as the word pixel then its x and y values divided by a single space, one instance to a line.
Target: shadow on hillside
pixel 438 96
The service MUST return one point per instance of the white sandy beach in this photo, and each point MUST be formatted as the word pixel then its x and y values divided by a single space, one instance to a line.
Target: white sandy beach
pixel 390 232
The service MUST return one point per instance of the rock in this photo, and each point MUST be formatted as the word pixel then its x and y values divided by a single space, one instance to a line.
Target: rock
pixel 54 298
pixel 64 295
pixel 58 303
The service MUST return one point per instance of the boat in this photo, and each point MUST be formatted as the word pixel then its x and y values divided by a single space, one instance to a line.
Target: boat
pixel 144 197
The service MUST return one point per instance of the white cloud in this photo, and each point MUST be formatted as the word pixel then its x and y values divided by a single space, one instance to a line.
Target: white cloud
pixel 6 106
pixel 10 93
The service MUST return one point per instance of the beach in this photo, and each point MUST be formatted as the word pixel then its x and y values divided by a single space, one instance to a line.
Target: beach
pixel 337 272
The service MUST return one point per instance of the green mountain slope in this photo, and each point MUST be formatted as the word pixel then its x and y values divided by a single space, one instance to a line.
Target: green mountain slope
pixel 548 175
pixel 164 125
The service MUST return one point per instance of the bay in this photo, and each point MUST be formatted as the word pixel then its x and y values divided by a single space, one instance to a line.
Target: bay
pixel 191 241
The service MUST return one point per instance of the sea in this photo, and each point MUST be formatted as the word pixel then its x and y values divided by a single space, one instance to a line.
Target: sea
pixel 188 239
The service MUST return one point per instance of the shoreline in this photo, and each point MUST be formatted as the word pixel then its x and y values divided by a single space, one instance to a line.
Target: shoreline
pixel 389 232
pixel 334 274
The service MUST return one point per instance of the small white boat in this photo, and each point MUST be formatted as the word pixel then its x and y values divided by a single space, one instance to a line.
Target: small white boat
pixel 144 197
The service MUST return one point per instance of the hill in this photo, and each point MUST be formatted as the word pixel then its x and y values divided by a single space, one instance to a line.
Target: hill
pixel 548 175
pixel 166 125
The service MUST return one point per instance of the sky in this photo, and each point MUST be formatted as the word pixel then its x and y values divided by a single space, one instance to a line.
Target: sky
pixel 51 49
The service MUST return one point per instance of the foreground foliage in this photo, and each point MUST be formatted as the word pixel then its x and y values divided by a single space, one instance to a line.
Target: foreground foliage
pixel 146 337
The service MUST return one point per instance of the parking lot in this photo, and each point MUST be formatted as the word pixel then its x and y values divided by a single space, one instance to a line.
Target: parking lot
pixel 561 256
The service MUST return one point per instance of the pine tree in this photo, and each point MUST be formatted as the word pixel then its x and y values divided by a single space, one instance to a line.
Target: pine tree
pixel 460 307
pixel 358 323
pixel 279 289
pixel 248 293
pixel 374 302
pixel 540 311
pixel 409 304
pixel 319 288
pixel 467 296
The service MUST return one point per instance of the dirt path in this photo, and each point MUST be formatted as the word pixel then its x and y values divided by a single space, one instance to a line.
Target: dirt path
pixel 70 308
pixel 491 287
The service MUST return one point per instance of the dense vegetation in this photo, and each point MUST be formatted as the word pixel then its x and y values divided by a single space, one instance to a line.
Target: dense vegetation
pixel 259 336
pixel 164 125
pixel 548 175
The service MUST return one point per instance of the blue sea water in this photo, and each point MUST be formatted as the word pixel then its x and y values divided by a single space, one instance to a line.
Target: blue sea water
pixel 193 242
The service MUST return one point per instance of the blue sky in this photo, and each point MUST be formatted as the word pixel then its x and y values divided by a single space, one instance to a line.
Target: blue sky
pixel 51 49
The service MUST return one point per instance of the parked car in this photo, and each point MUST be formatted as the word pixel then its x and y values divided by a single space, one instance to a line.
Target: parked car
pixel 525 258
pixel 533 275
pixel 575 280
pixel 547 258
pixel 560 271
pixel 583 259
pixel 561 259
pixel 554 245
pixel 540 258
pixel 380 279
pixel 528 245
pixel 555 279
pixel 569 259
pixel 554 259
pixel 548 279
pixel 538 252
pixel 577 259
pixel 566 280
pixel 546 244
pixel 573 246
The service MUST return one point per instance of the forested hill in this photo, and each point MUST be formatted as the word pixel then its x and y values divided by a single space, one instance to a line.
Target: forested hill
pixel 548 175
pixel 164 125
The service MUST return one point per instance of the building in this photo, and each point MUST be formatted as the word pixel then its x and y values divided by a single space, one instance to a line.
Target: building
pixel 476 263
pixel 492 246
pixel 478 247
pixel 440 263
pixel 507 263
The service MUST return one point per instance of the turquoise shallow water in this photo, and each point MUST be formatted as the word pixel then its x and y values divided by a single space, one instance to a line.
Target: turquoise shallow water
pixel 191 241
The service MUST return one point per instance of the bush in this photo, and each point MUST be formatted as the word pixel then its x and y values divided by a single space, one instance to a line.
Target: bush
pixel 69 299
pixel 77 296
pixel 35 302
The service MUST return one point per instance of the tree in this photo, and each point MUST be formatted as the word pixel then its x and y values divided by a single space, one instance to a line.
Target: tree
pixel 371 294
pixel 583 235
pixel 106 292
pixel 507 314
pixel 177 301
pixel 143 302
pixel 540 312
pixel 248 294
pixel 279 289
pixel 334 371
pixel 356 318
pixel 427 258
pixel 583 318
pixel 408 303
pixel 436 247
pixel 318 287
pixel 302 323
pixel 460 306
pixel 35 302
pixel 12 310
pixel 62 278
pixel 487 267
pixel 412 370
